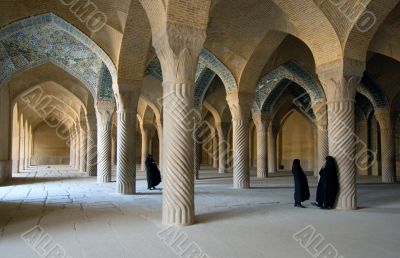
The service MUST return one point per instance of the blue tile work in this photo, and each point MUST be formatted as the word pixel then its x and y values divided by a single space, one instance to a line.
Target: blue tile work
pixel 154 69
pixel 287 87
pixel 202 84
pixel 209 60
pixel 372 91
pixel 47 38
pixel 288 71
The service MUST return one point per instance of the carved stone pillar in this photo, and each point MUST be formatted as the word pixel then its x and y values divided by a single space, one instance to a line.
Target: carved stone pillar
pixel 26 143
pixel 240 110
pixel 271 148
pixel 321 120
pixel 261 122
pixel 161 144
pixel 145 131
pixel 387 146
pixel 92 146
pixel 222 129
pixel 77 147
pixel 104 112
pixel 215 150
pixel 83 147
pixel 362 162
pixel 127 101
pixel 197 145
pixel 72 148
pixel 178 48
pixel 21 143
pixel 340 82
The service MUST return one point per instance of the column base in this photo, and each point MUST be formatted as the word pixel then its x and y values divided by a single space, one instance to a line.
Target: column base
pixel 242 185
pixel 389 180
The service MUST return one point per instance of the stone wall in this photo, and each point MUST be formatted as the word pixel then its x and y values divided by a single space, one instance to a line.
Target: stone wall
pixel 49 148
pixel 295 141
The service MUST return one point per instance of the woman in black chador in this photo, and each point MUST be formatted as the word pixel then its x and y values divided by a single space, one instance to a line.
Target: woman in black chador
pixel 152 172
pixel 328 185
pixel 301 190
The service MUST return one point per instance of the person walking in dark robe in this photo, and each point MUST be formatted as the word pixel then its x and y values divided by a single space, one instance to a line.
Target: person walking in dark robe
pixel 301 190
pixel 328 185
pixel 152 173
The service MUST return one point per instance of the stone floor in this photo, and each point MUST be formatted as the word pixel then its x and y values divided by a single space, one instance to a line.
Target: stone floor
pixel 79 218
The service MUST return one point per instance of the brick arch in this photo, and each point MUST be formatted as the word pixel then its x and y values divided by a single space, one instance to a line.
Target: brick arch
pixel 210 61
pixel 289 71
pixel 207 68
pixel 48 38
pixel 359 38
pixel 369 89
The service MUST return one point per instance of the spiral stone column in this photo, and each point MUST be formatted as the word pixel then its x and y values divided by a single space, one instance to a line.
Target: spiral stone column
pixel 321 120
pixel 161 144
pixel 222 129
pixel 239 104
pixel 362 162
pixel 71 149
pixel 215 151
pixel 77 147
pixel 271 148
pixel 26 143
pixel 145 130
pixel 387 146
pixel 178 48
pixel 197 145
pixel 83 148
pixel 104 112
pixel 127 101
pixel 261 122
pixel 340 83
pixel 21 143
pixel 91 146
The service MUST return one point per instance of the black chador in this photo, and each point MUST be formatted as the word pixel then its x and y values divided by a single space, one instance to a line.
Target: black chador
pixel 301 190
pixel 328 184
pixel 152 172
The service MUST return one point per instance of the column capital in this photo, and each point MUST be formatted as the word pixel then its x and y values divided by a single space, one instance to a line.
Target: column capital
pixel 261 120
pixel 104 111
pixel 384 118
pixel 240 105
pixel 128 94
pixel 340 78
pixel 178 48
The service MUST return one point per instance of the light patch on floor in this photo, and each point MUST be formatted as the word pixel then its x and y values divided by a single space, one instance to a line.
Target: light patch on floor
pixel 86 219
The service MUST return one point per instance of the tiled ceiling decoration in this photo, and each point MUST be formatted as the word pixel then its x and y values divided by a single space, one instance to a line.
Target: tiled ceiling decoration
pixel 47 38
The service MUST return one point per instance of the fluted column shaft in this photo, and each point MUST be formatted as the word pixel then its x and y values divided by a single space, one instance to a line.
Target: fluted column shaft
pixel 362 162
pixel 222 130
pixel 83 149
pixel 72 149
pixel 178 49
pixel 21 144
pixel 92 146
pixel 215 151
pixel 271 149
pixel 104 111
pixel 26 145
pixel 240 109
pixel 261 122
pixel 145 145
pixel 320 111
pixel 342 147
pixel 126 152
pixel 387 146
pixel 340 82
pixel 197 146
pixel 161 145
